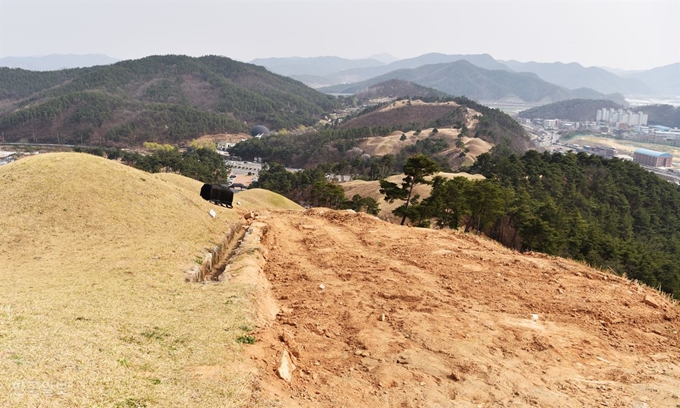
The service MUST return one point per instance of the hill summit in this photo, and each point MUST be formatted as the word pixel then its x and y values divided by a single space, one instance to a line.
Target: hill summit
pixel 169 98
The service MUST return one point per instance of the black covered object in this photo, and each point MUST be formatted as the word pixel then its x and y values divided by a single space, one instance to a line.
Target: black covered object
pixel 218 194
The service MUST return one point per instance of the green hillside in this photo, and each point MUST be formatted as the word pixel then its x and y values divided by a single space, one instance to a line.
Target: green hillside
pixel 578 110
pixel 168 98
pixel 664 115
pixel 397 88
pixel 612 214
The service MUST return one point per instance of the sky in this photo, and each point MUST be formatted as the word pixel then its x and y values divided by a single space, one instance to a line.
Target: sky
pixel 625 34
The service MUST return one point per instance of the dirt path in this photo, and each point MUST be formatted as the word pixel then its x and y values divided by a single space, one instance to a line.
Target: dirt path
pixel 378 315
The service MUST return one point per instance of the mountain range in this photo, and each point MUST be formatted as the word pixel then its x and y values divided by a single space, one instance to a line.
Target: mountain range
pixel 363 73
pixel 314 65
pixel 575 75
pixel 464 78
pixel 325 71
pixel 398 88
pixel 661 81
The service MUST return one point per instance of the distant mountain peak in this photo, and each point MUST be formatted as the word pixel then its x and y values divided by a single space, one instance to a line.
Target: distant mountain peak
pixel 384 57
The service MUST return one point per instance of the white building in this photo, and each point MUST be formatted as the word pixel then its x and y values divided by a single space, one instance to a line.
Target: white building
pixel 617 117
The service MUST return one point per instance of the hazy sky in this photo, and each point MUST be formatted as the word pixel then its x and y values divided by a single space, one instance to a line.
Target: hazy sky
pixel 628 34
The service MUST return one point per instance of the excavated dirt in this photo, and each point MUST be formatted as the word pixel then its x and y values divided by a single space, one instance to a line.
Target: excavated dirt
pixel 378 315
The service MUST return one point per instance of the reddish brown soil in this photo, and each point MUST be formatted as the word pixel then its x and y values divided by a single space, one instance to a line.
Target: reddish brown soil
pixel 411 317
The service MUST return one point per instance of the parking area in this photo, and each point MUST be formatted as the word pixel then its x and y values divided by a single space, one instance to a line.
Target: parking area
pixel 244 167
pixel 243 172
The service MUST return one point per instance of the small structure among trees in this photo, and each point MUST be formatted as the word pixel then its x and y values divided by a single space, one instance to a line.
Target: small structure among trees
pixel 259 131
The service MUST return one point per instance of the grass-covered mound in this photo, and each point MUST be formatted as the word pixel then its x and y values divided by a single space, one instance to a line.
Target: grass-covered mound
pixel 94 310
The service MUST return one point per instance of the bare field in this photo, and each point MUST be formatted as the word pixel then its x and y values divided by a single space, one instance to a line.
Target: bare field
pixel 626 146
pixel 378 315
pixel 391 144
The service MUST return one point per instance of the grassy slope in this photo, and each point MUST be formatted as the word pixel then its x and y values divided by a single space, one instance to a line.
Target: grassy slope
pixel 94 308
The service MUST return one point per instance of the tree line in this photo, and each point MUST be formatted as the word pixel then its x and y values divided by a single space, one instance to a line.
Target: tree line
pixel 611 214
pixel 311 188
pixel 202 164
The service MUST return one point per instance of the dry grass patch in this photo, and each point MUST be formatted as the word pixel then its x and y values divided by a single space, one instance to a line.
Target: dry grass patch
pixel 94 310
pixel 415 102
pixel 259 199
pixel 625 146
pixel 372 189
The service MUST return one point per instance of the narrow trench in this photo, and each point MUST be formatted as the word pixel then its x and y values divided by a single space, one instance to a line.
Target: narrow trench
pixel 229 246
pixel 217 258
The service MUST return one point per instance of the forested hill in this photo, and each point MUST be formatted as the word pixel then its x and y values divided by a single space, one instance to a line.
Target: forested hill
pixel 612 214
pixel 664 115
pixel 168 98
pixel 494 126
pixel 397 88
pixel 578 110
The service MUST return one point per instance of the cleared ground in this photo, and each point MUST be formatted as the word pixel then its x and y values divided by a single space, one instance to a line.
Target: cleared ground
pixel 626 146
pixel 377 315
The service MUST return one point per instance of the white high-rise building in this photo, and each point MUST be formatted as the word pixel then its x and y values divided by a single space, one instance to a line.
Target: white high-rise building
pixel 628 117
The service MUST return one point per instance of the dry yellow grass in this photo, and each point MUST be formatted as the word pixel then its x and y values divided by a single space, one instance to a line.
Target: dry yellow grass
pixel 402 103
pixel 94 310
pixel 625 146
pixel 260 199
pixel 372 189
